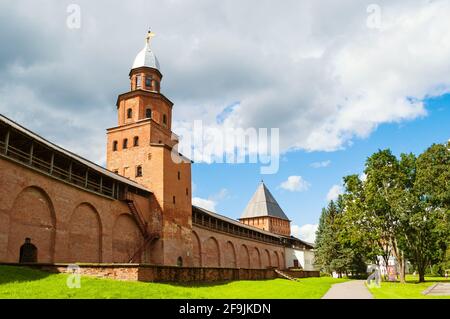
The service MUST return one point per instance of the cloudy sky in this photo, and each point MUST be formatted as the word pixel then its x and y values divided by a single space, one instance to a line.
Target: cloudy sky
pixel 340 79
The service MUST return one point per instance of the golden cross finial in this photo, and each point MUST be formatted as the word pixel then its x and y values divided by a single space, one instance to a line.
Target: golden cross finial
pixel 150 35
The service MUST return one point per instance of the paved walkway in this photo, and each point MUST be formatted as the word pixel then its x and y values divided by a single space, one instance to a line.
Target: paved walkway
pixel 354 289
pixel 440 289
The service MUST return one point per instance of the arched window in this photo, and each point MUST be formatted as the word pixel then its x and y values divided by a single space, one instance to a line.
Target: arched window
pixel 28 252
pixel 129 113
pixel 139 171
pixel 138 81
pixel 180 262
pixel 148 113
pixel 148 81
pixel 136 141
pixel 179 175
pixel 173 199
pixel 125 143
pixel 114 146
pixel 164 118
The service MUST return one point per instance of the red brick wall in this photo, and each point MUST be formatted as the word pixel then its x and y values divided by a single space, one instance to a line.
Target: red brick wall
pixel 272 224
pixel 215 248
pixel 85 229
pixel 66 223
pixel 211 252
pixel 34 216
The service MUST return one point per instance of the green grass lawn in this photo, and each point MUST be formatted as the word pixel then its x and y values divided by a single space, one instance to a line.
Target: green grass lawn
pixel 412 289
pixel 22 282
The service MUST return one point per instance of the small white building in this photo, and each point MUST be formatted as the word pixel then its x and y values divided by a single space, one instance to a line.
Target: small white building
pixel 300 254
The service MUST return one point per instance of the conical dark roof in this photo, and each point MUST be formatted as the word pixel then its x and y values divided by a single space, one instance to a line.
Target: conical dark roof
pixel 263 204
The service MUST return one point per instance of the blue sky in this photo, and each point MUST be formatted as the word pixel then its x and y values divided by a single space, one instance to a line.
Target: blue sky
pixel 241 181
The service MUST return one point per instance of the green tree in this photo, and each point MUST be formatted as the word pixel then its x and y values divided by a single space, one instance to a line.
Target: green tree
pixel 433 175
pixel 401 208
pixel 327 248
pixel 360 233
pixel 381 190
pixel 423 206
pixel 445 264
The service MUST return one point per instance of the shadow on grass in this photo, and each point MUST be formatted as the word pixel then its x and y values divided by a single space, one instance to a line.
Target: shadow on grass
pixel 10 274
pixel 415 280
pixel 436 279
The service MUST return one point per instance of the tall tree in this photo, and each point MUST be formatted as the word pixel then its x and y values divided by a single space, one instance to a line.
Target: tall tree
pixel 402 207
pixel 327 246
pixel 361 228
pixel 381 192
pixel 433 175
pixel 424 206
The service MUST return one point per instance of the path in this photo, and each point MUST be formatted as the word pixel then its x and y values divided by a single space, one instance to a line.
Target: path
pixel 354 289
pixel 440 289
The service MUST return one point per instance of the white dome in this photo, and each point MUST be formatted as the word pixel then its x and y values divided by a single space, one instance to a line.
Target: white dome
pixel 146 57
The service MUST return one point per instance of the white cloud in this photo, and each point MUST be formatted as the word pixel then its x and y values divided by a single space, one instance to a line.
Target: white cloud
pixel 204 203
pixel 211 202
pixel 295 184
pixel 306 232
pixel 320 164
pixel 363 177
pixel 335 78
pixel 363 77
pixel 222 194
pixel 334 192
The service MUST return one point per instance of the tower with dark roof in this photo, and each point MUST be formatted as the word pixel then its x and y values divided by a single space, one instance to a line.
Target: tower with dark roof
pixel 264 212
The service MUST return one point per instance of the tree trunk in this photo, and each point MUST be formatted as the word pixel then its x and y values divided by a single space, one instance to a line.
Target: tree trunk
pixel 400 260
pixel 402 269
pixel 382 277
pixel 421 270
pixel 386 255
pixel 421 275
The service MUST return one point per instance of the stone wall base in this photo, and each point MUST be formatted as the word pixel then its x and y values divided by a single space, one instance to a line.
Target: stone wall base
pixel 302 273
pixel 153 273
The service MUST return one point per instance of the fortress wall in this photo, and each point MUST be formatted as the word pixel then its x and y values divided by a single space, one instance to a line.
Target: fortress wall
pixel 218 249
pixel 66 223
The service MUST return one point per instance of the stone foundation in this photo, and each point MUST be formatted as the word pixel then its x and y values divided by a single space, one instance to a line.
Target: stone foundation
pixel 302 273
pixel 152 273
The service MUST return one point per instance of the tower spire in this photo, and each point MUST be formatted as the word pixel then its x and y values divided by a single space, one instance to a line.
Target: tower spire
pixel 146 57
pixel 149 36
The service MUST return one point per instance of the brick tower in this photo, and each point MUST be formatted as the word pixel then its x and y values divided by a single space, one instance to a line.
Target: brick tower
pixel 264 212
pixel 140 148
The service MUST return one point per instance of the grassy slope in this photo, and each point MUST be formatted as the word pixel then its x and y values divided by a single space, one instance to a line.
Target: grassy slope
pixel 411 290
pixel 18 282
